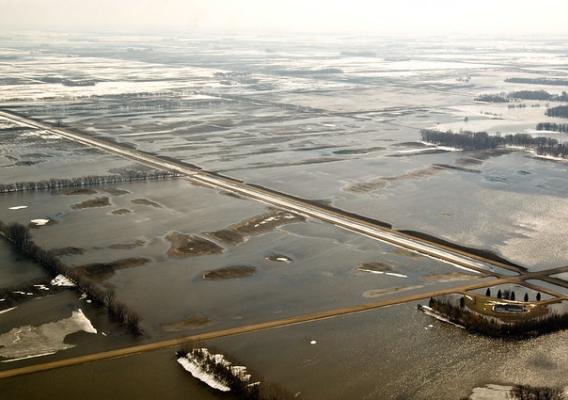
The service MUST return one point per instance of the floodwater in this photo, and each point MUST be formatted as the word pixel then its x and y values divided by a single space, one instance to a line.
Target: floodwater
pixel 322 272
pixel 336 120
pixel 391 353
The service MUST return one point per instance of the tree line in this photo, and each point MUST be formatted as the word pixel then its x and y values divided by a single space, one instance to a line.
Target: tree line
pixel 539 81
pixel 560 111
pixel 91 180
pixel 487 326
pixel 467 140
pixel 522 95
pixel 550 126
pixel 20 238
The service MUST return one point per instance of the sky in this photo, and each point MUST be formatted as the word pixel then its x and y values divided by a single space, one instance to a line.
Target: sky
pixel 303 16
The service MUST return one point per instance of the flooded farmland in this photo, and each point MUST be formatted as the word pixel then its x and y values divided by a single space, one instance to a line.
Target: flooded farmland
pixel 320 310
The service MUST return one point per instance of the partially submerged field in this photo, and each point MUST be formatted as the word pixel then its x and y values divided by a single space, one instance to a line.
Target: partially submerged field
pixel 206 249
pixel 335 121
pixel 348 137
pixel 386 354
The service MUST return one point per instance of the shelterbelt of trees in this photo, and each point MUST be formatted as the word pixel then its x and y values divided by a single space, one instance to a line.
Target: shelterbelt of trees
pixel 21 239
pixel 467 140
pixel 539 81
pixel 92 180
pixel 549 126
pixel 522 95
pixel 560 111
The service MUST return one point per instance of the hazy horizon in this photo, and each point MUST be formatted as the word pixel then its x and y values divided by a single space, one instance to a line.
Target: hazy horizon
pixel 407 17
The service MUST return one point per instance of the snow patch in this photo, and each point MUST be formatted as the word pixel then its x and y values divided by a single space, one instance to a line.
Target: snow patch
pixel 491 392
pixel 39 221
pixel 36 341
pixel 61 280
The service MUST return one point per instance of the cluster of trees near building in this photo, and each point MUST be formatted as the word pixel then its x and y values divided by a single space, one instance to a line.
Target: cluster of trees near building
pixel 19 236
pixel 522 95
pixel 487 326
pixel 92 180
pixel 467 140
pixel 560 111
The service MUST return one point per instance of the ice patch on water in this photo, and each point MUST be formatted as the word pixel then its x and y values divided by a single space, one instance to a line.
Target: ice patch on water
pixel 372 271
pixel 42 134
pixel 35 341
pixel 395 274
pixel 7 310
pixel 429 149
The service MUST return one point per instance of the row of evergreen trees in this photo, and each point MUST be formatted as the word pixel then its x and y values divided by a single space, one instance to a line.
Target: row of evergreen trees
pixel 550 126
pixel 91 180
pixel 21 239
pixel 510 295
pixel 467 140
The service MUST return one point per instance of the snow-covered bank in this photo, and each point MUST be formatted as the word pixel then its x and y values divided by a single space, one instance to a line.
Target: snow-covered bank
pixel 209 368
pixel 199 373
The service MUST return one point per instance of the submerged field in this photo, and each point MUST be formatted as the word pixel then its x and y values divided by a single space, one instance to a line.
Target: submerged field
pixel 336 121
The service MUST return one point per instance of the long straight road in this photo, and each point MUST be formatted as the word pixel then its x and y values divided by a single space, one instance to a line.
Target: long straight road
pixel 360 225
